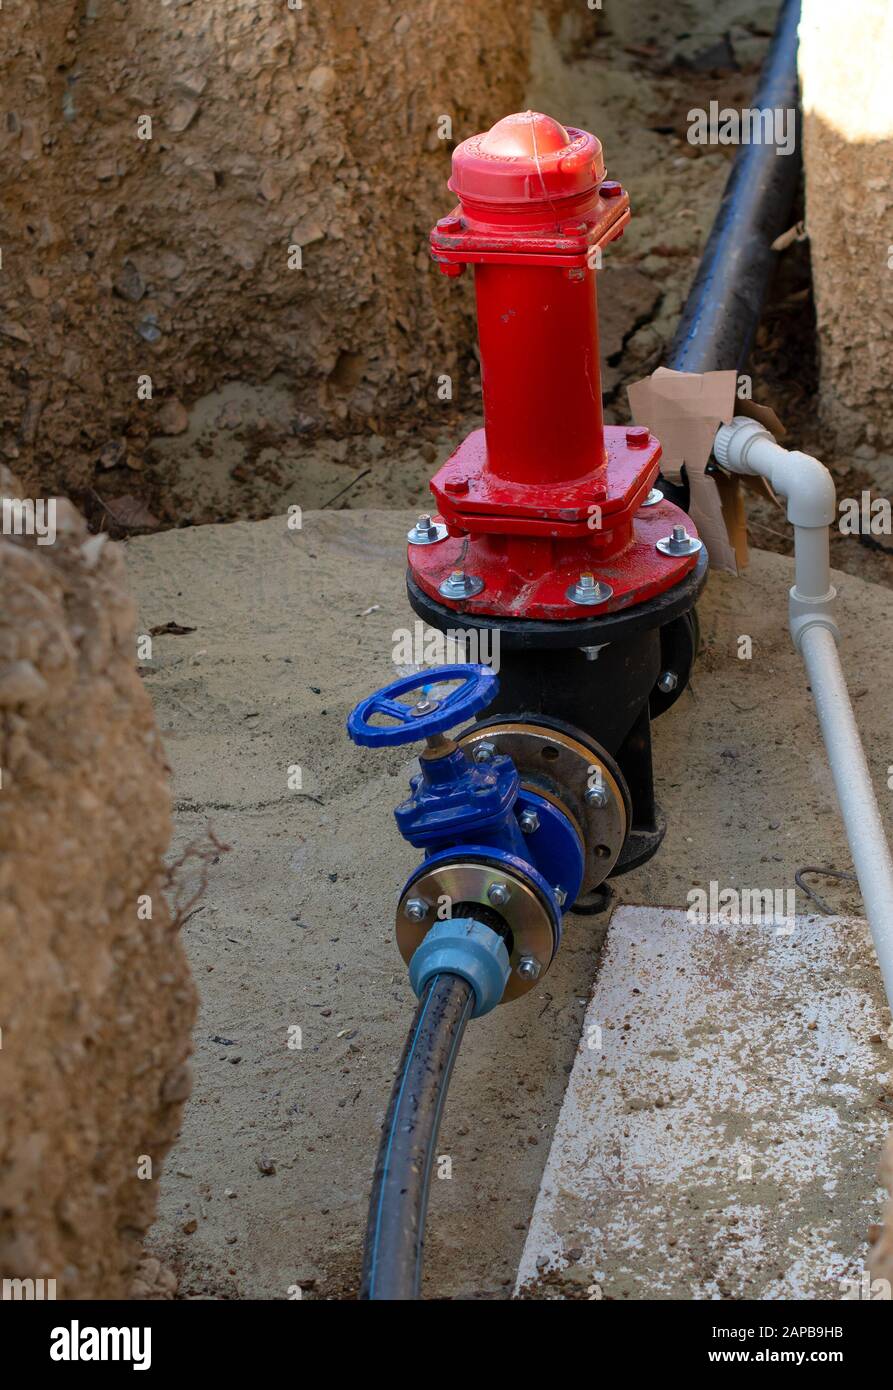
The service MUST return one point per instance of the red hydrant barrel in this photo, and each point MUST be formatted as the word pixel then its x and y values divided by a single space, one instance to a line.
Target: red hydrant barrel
pixel 531 215
pixel 538 332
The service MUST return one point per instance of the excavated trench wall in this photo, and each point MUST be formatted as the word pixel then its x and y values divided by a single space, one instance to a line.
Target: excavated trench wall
pixel 162 157
pixel 96 999
pixel 846 55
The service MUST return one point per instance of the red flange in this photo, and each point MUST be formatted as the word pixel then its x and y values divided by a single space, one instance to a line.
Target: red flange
pixel 543 493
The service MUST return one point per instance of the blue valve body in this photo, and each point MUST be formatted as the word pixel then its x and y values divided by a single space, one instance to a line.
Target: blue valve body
pixel 460 809
pixel 455 801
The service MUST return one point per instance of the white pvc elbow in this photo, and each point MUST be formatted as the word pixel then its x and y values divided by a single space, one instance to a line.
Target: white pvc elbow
pixel 745 446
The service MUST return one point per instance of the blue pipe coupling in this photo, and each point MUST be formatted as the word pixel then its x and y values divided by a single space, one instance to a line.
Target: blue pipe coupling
pixel 462 946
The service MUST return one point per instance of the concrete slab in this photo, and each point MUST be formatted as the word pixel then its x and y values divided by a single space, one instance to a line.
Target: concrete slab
pixel 723 1120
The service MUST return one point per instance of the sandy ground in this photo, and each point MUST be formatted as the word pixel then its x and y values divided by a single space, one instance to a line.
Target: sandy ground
pixel 295 928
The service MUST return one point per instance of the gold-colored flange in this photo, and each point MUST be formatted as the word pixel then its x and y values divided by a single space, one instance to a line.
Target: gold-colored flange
pixel 559 767
pixel 466 881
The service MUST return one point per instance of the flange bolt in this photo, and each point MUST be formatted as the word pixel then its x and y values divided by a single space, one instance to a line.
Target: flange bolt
pixel 426 531
pixel 461 585
pixel 529 821
pixel 597 793
pixel 484 752
pixel 679 542
pixel 667 682
pixel 588 590
pixel 498 894
pixel 528 968
pixel 416 909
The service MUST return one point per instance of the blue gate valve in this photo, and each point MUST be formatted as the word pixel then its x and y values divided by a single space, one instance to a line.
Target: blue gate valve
pixel 471 814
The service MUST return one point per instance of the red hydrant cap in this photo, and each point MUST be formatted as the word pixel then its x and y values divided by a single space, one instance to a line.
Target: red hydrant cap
pixel 526 158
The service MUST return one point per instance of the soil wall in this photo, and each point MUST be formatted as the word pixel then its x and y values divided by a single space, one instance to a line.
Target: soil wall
pixel 162 157
pixel 846 54
pixel 96 998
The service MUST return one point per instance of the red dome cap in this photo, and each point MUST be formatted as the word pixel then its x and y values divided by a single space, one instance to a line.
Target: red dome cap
pixel 527 132
pixel 526 158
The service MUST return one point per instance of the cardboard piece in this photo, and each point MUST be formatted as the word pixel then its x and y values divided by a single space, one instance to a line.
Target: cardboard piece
pixel 684 410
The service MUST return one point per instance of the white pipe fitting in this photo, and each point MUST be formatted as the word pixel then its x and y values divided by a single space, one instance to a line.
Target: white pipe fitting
pixel 744 446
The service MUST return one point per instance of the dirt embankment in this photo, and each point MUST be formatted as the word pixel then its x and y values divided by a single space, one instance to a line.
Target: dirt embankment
pixel 96 998
pixel 162 160
pixel 848 149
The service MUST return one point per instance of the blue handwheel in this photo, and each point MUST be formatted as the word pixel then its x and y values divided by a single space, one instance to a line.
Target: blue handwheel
pixel 428 715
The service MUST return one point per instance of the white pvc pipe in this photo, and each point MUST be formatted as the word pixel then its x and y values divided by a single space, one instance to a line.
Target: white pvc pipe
pixel 855 793
pixel 744 446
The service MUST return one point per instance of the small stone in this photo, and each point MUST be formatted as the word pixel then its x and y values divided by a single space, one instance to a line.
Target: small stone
pixel 38 285
pixel 21 684
pixel 402 25
pixel 306 231
pixel 16 331
pixel 182 115
pixel 230 1240
pixel 269 189
pixel 265 1165
pixel 129 284
pixel 172 418
pixel 112 454
pixel 193 83
pixel 172 265
pixel 190 1227
pixel 148 328
pixel 322 80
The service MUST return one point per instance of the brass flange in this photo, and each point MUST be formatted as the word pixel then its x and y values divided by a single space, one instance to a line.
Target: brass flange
pixel 565 771
pixel 529 923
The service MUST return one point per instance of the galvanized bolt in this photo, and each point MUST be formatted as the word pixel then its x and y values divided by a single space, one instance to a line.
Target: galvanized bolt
pixel 498 894
pixel 654 496
pixel 461 585
pixel 424 707
pixel 484 752
pixel 667 681
pixel 426 531
pixel 416 909
pixel 597 793
pixel 560 894
pixel 589 591
pixel 679 542
pixel 528 968
pixel 529 821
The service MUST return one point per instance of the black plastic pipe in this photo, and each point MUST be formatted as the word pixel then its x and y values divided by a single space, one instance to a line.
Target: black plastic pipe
pixel 719 321
pixel 392 1260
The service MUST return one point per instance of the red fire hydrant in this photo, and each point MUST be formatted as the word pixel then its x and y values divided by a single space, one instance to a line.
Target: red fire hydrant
pixel 546 513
